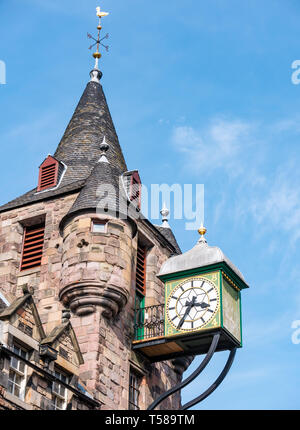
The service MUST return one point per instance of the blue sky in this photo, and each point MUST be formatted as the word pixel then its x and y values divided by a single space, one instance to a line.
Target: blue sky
pixel 200 93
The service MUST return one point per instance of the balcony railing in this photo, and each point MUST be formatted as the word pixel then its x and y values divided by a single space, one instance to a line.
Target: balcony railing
pixel 149 322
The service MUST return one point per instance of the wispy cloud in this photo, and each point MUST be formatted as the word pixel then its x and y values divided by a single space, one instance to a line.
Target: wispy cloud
pixel 266 188
pixel 217 146
pixel 253 376
pixel 268 331
pixel 279 204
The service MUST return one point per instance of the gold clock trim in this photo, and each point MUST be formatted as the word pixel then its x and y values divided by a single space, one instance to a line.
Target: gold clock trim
pixel 177 287
pixel 230 281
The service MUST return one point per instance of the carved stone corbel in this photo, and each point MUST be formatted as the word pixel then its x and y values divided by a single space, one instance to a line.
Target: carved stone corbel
pixel 85 296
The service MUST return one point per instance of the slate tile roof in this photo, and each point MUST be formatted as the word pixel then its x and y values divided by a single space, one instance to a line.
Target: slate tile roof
pixel 169 235
pixel 33 196
pixel 79 148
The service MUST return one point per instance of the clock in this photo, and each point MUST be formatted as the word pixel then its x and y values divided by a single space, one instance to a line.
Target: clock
pixel 202 299
pixel 192 304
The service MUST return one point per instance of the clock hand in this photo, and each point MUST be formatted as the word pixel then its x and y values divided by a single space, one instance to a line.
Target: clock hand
pixel 189 307
pixel 192 303
pixel 202 305
pixel 184 316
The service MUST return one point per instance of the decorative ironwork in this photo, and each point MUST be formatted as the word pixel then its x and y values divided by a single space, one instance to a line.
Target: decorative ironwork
pixel 98 41
pixel 200 368
pixel 149 322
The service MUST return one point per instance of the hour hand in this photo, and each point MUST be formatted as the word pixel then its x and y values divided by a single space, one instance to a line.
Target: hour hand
pixel 202 305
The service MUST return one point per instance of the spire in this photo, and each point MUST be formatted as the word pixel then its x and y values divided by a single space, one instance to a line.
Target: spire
pixel 90 124
pixel 79 147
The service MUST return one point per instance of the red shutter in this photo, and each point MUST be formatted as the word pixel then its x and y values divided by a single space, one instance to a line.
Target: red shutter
pixel 48 173
pixel 33 246
pixel 141 270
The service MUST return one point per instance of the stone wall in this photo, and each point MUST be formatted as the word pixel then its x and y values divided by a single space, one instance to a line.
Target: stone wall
pixel 94 274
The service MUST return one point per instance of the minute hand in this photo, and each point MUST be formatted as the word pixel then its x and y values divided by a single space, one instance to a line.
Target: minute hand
pixel 190 305
pixel 184 316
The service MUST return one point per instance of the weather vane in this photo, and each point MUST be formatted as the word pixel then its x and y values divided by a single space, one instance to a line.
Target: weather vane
pixel 97 55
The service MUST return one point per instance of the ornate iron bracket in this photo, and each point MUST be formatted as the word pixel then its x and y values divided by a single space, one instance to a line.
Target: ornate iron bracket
pixel 196 373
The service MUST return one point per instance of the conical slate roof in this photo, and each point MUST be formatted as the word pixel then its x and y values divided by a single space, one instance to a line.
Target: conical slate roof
pixel 79 148
pixel 101 190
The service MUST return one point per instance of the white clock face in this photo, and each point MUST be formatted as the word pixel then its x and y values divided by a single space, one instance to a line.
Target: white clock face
pixel 192 304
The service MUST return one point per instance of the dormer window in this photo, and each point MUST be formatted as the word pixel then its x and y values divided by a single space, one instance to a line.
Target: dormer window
pixel 133 187
pixel 51 171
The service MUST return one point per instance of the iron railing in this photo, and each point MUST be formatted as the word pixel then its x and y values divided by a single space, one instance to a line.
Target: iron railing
pixel 149 322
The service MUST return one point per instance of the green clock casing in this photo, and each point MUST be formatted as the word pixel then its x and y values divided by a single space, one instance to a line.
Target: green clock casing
pixel 201 303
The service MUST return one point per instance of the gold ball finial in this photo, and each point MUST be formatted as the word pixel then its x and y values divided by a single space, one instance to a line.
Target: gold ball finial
pixel 97 55
pixel 202 230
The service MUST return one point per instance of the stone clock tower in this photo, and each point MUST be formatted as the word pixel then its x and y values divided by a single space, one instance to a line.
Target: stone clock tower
pixel 77 259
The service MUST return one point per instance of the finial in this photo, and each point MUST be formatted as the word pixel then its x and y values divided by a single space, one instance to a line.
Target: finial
pixel 165 213
pixel 104 147
pixel 202 230
pixel 95 74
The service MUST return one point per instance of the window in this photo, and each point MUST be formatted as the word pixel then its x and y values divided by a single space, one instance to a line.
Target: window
pixel 33 246
pixel 135 189
pixel 134 391
pixel 59 391
pixel 51 171
pixel 141 270
pixel 17 374
pixel 99 226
